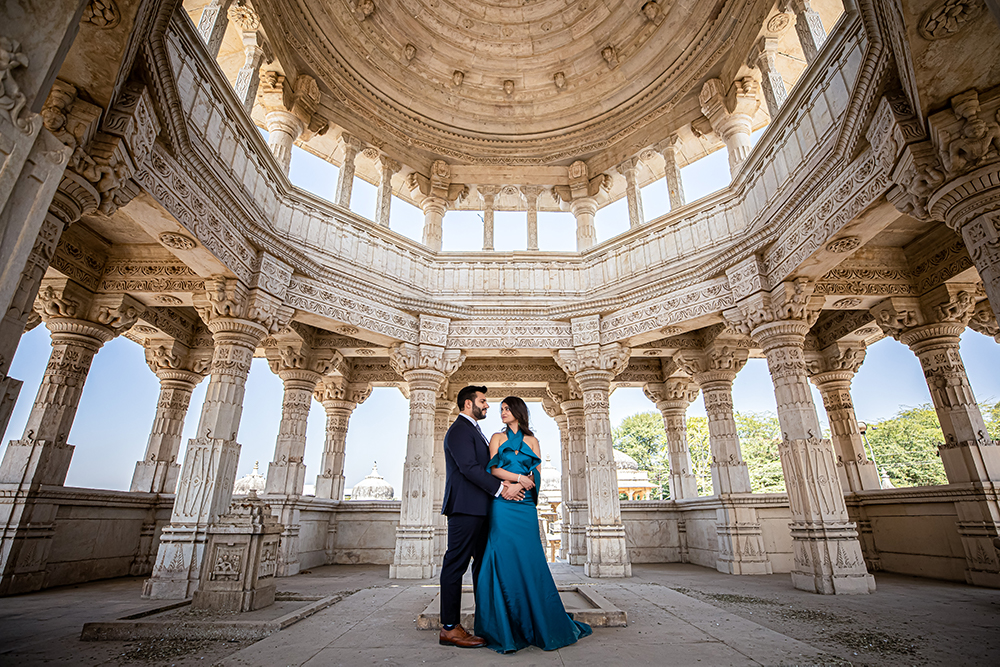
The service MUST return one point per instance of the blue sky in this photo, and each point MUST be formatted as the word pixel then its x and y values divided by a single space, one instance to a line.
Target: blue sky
pixel 119 400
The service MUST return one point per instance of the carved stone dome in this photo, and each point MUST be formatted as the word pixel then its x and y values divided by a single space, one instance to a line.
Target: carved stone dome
pixel 624 462
pixel 372 487
pixel 507 80
pixel 252 482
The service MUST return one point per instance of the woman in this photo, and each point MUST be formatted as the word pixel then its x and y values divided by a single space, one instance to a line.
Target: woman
pixel 517 602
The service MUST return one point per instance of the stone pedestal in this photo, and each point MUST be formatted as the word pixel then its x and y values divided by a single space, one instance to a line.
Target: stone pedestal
pixel 241 560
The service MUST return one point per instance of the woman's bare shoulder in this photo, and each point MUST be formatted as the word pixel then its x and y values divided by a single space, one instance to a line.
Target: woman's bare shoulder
pixel 499 437
pixel 532 442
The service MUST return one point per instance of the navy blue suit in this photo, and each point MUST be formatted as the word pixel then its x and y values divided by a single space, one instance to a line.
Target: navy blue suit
pixel 468 497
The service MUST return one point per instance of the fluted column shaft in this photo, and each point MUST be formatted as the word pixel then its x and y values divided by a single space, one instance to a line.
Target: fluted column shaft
pixel 575 491
pixel 345 178
pixel 208 473
pixel 584 210
pixel 212 25
pixel 383 200
pixel 828 557
pixel 414 537
pixel 683 483
pixel 607 555
pixel 330 482
pixel 433 208
pixel 856 471
pixel 729 470
pixel 283 128
pixel 286 474
pixel 157 472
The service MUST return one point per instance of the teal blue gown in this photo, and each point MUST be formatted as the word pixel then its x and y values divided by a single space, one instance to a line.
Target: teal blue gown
pixel 517 603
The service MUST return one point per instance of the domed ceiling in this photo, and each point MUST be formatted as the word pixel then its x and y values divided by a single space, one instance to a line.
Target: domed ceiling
pixel 510 81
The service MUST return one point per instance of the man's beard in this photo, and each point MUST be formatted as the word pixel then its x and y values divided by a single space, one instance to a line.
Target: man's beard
pixel 478 412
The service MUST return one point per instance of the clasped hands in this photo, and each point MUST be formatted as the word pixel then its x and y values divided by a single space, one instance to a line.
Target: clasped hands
pixel 515 490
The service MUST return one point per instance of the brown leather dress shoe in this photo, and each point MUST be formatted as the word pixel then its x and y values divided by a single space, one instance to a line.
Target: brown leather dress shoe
pixel 457 636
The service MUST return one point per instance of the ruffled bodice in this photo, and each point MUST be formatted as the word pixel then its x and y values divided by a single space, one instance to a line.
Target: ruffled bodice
pixel 517 457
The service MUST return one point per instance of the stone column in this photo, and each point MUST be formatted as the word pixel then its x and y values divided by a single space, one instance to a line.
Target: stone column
pixel 584 210
pixel 239 318
pixel 283 128
pixel 808 27
pixel 672 399
pixel 383 203
pixel 179 369
pixel 290 116
pixel 531 193
pixel 339 399
pixel 437 190
pixel 563 423
pixel 629 169
pixel 832 371
pixel 828 556
pixel 80 323
pixel 345 178
pixel 248 79
pixel 434 209
pixel 732 125
pixel 669 148
pixel 593 366
pixel 212 25
pixel 424 367
pixel 740 540
pixel 931 328
pixel 762 57
pixel 443 411
pixel 489 193
pixel 574 494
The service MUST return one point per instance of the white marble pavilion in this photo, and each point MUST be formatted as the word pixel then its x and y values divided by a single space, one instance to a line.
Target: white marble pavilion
pixel 138 199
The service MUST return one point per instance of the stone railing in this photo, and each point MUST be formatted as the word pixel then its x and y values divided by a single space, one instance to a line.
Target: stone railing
pixel 679 258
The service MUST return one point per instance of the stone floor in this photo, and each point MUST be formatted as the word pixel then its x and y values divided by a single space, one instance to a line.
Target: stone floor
pixel 678 615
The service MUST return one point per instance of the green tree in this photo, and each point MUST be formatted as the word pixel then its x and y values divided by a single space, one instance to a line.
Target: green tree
pixel 906 447
pixel 701 453
pixel 760 435
pixel 643 437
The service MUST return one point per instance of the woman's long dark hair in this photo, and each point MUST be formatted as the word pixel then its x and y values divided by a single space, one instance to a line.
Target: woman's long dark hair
pixel 520 412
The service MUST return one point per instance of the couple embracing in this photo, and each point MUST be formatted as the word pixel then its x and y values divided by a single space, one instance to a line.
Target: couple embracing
pixel 491 490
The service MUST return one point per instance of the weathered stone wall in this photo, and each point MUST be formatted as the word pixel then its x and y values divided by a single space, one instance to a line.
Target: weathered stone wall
pixel 103 534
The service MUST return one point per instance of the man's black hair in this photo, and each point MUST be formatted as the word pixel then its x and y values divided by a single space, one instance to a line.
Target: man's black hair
pixel 468 394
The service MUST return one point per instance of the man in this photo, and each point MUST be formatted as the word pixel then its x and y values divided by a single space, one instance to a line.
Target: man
pixel 468 496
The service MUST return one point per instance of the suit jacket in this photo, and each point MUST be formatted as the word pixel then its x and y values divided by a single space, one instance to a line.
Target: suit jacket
pixel 468 488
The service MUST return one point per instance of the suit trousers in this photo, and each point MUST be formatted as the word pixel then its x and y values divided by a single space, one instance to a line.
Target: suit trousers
pixel 466 539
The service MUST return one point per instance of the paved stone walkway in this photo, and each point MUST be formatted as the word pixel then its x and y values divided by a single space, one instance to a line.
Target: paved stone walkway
pixel 678 615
